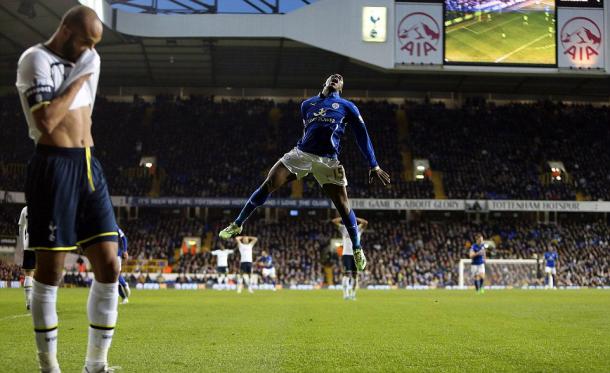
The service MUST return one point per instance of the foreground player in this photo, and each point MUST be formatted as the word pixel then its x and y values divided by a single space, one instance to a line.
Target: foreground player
pixel 266 262
pixel 124 290
pixel 550 270
pixel 29 257
pixel 245 245
pixel 66 192
pixel 325 117
pixel 349 278
pixel 222 260
pixel 477 268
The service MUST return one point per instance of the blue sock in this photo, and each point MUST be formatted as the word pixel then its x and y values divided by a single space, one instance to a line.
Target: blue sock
pixel 476 284
pixel 352 228
pixel 256 199
pixel 481 283
pixel 122 285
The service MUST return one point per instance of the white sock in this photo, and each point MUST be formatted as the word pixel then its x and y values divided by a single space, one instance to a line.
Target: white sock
pixel 102 312
pixel 44 317
pixel 240 282
pixel 247 280
pixel 550 280
pixel 345 284
pixel 28 282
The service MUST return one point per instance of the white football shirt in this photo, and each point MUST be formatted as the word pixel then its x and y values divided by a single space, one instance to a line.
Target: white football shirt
pixel 348 249
pixel 24 238
pixel 42 75
pixel 245 251
pixel 222 257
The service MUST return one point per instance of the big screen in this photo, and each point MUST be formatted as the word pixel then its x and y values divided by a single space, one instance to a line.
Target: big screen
pixel 500 32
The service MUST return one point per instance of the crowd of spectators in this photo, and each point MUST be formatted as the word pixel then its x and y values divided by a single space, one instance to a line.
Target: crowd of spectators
pixel 399 253
pixel 220 148
pixel 500 152
pixel 9 272
pixel 211 148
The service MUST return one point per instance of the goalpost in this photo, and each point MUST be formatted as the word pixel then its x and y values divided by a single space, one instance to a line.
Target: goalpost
pixel 502 272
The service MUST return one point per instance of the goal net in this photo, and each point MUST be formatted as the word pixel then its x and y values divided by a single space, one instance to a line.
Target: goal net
pixel 502 272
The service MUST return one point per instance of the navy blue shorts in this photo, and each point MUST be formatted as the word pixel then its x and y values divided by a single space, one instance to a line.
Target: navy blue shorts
pixel 68 200
pixel 221 270
pixel 29 260
pixel 349 264
pixel 245 267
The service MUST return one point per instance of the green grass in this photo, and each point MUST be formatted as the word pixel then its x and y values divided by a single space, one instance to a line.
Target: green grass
pixel 530 42
pixel 433 331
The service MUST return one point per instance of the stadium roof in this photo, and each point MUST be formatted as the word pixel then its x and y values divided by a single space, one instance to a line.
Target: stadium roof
pixel 129 61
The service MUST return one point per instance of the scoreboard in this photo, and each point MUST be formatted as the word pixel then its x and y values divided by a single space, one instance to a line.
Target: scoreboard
pixel 555 34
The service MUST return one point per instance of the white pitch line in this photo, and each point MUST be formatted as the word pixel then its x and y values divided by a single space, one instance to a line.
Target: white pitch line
pixel 14 317
pixel 521 48
pixel 475 22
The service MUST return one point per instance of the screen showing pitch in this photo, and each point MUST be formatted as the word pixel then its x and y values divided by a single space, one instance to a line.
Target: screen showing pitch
pixel 500 32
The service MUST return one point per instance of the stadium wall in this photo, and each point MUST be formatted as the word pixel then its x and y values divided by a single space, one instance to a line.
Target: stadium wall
pixel 337 27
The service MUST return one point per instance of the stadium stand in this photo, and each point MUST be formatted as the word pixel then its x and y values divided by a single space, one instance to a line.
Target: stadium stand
pixel 400 253
pixel 477 148
pixel 482 150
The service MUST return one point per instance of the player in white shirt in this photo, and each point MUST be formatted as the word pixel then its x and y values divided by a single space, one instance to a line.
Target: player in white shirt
pixel 29 257
pixel 349 279
pixel 66 191
pixel 245 245
pixel 222 259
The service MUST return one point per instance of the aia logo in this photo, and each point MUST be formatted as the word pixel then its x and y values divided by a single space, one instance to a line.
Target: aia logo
pixel 581 39
pixel 419 34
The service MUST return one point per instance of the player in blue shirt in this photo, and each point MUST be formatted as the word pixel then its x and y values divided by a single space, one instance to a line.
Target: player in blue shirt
pixel 477 268
pixel 325 118
pixel 551 258
pixel 266 262
pixel 124 290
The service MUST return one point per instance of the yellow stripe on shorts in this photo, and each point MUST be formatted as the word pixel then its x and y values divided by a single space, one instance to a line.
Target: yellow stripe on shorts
pixel 96 236
pixel 89 173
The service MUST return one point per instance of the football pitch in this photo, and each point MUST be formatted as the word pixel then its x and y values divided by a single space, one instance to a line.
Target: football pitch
pixel 317 331
pixel 503 38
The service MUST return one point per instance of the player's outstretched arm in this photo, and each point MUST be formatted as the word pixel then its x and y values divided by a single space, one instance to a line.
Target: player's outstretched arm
pixel 366 147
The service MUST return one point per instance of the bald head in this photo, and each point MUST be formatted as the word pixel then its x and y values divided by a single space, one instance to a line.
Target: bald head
pixel 80 29
pixel 83 19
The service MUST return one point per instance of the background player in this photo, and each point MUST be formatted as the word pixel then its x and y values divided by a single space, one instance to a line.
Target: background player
pixel 29 257
pixel 266 263
pixel 222 258
pixel 349 279
pixel 124 291
pixel 66 191
pixel 245 245
pixel 550 270
pixel 325 117
pixel 477 268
